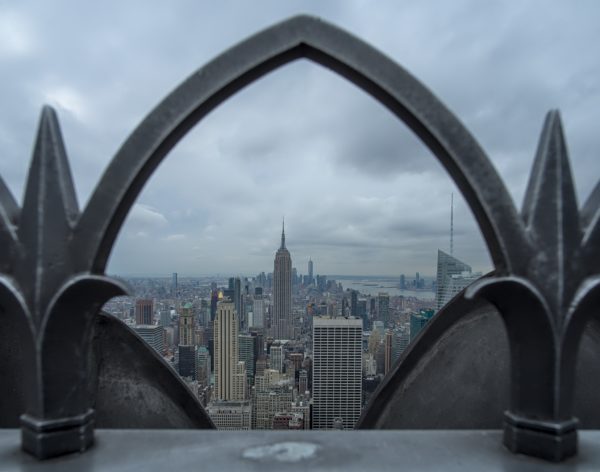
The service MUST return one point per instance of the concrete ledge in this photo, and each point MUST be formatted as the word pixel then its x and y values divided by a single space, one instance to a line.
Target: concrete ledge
pixel 160 450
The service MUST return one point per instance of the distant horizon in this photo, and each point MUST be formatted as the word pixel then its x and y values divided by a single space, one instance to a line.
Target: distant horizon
pixel 218 275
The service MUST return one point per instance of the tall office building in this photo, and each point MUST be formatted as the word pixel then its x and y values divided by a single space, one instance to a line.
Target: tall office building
pixel 337 371
pixel 247 351
pixel 144 311
pixel 239 382
pixel 235 285
pixel 354 303
pixel 186 325
pixel 282 292
pixel 388 354
pixel 258 309
pixel 226 360
pixel 310 271
pixel 447 267
pixel 383 307
pixel 418 321
pixel 203 367
pixel 276 358
pixel 187 347
pixel 303 382
pixel 174 284
pixel 165 318
pixel 153 335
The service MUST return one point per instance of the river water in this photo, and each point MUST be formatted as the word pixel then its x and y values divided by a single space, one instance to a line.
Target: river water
pixel 372 286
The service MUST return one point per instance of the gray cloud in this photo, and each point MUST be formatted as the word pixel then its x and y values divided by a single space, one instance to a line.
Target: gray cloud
pixel 359 192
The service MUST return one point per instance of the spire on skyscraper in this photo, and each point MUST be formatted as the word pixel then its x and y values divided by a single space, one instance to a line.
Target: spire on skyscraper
pixel 283 234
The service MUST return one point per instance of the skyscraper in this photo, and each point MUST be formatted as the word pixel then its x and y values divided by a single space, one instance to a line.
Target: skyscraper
pixel 235 285
pixel 282 292
pixel 388 355
pixel 418 321
pixel 174 284
pixel 226 370
pixel 144 310
pixel 153 335
pixel 258 309
pixel 383 307
pixel 337 371
pixel 447 266
pixel 247 352
pixel 354 303
pixel 276 358
pixel 187 348
pixel 310 271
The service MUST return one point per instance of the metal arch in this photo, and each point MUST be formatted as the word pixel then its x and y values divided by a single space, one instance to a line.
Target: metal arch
pixel 311 38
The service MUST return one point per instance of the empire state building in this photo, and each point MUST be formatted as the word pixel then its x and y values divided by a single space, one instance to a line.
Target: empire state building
pixel 282 292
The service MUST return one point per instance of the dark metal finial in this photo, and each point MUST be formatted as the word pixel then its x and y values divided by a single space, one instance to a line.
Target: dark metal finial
pixel 283 233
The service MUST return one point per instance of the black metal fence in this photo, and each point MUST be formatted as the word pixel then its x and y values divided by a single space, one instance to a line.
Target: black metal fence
pixel 52 284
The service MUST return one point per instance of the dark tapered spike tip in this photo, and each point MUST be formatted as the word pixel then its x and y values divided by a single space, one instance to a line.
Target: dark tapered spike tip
pixel 550 177
pixel 50 165
pixel 48 215
pixel 551 214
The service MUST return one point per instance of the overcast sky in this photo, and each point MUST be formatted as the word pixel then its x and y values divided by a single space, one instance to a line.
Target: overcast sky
pixel 360 194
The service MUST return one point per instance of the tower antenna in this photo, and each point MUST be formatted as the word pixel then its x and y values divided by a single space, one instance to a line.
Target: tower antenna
pixel 452 223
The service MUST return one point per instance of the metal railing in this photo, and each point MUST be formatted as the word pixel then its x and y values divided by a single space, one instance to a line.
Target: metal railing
pixel 547 257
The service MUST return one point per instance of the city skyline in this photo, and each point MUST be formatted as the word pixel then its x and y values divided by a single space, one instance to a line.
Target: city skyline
pixel 361 194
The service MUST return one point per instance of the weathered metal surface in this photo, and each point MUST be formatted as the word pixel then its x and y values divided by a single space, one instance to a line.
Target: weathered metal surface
pixel 449 451
pixel 130 385
pixel 546 286
pixel 456 375
pixel 134 387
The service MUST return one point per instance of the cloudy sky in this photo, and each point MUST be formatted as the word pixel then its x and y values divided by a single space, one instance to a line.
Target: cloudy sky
pixel 360 194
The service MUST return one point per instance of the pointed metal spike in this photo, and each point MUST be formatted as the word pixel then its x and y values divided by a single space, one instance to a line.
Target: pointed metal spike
pixel 9 210
pixel 551 215
pixel 590 217
pixel 49 210
pixel 50 165
pixel 591 208
pixel 9 215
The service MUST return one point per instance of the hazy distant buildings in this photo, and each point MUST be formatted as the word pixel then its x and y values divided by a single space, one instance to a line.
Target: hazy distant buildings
pixel 447 267
pixel 310 272
pixel 144 312
pixel 174 284
pixel 282 292
pixel 165 318
pixel 337 371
